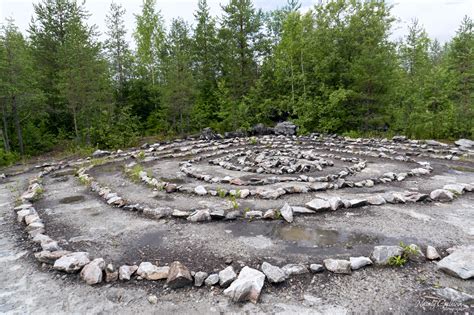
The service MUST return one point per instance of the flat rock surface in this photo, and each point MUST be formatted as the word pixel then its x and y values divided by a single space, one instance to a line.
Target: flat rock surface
pixel 79 220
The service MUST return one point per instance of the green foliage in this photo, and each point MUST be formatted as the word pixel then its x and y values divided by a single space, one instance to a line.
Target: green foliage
pixel 397 261
pixel 221 192
pixel 331 69
pixel 7 158
pixel 401 260
pixel 134 172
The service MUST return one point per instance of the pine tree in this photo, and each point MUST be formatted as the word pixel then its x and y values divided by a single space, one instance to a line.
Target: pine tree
pixel 117 49
pixel 178 90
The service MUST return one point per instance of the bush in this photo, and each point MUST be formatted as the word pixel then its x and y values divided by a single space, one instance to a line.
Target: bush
pixel 7 158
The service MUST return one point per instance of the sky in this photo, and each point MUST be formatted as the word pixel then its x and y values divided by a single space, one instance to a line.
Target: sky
pixel 440 18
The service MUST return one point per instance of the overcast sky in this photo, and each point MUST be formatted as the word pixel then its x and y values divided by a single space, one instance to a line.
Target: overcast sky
pixel 441 18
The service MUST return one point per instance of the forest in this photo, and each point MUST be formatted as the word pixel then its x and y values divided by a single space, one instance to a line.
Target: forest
pixel 332 69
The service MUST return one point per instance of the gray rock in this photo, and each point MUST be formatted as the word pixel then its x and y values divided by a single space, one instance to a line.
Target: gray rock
pixel 335 203
pixel 50 246
pixel 217 214
pixel 316 267
pixel 270 193
pixel 359 262
pixel 100 153
pixel 126 272
pixel 178 276
pixel 302 210
pixel 285 128
pixel 459 264
pixel 455 188
pixel 274 274
pixel 270 214
pixel 453 295
pixel 232 215
pixel 319 186
pixel 148 271
pixel 432 253
pixel 213 279
pixel 226 276
pixel 111 274
pixel 441 195
pixel 376 200
pixel 318 204
pixel 415 254
pixel 152 299
pixel 92 272
pixel 247 287
pixel 466 143
pixel 253 214
pixel 200 216
pixel 356 203
pixel 382 254
pixel 209 134
pixel 287 213
pixel 337 265
pixel 295 269
pixel 199 278
pixel 72 262
pixel 48 257
pixel 180 214
pixel 200 190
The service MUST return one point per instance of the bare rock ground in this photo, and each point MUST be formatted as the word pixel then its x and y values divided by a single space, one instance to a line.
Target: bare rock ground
pixel 80 220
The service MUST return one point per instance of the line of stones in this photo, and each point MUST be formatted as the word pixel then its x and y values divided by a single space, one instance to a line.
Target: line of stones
pixel 246 286
pixel 253 161
pixel 412 147
pixel 448 193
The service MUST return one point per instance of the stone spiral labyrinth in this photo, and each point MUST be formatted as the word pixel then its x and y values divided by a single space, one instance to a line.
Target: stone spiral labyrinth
pixel 238 213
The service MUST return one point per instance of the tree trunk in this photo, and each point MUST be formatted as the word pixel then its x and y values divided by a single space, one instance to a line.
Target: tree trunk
pixel 6 140
pixel 76 131
pixel 17 125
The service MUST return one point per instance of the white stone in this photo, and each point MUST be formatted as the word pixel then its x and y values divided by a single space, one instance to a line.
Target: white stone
pixel 337 265
pixel 359 262
pixel 148 271
pixel 274 274
pixel 125 271
pixel 226 276
pixel 92 272
pixel 72 262
pixel 200 190
pixel 247 287
pixel 319 204
pixel 432 253
pixel 287 213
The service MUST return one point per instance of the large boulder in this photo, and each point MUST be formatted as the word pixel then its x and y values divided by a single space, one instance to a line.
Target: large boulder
pixel 382 254
pixel 148 271
pixel 209 134
pixel 459 264
pixel 72 262
pixel 247 287
pixel 261 130
pixel 285 128
pixel 93 271
pixel 179 276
